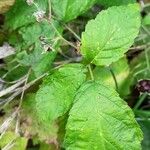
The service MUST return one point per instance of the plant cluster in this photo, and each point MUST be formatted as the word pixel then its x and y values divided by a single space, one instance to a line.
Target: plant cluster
pixel 74 74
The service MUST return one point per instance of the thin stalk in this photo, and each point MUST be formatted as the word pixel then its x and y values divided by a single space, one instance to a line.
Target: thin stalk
pixel 11 88
pixel 114 77
pixel 50 9
pixel 10 145
pixel 72 32
pixel 69 43
pixel 147 5
pixel 5 75
pixel 142 113
pixel 91 72
pixel 147 59
pixel 51 23
pixel 146 30
pixel 23 89
pixel 19 90
pixel 140 101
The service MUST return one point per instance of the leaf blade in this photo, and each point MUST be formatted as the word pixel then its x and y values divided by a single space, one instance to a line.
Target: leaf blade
pixel 55 96
pixel 19 16
pixel 109 36
pixel 121 72
pixel 108 3
pixel 99 119
pixel 70 9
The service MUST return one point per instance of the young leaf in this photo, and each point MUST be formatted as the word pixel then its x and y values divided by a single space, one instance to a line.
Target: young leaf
pixel 109 36
pixel 100 120
pixel 67 10
pixel 108 3
pixel 56 94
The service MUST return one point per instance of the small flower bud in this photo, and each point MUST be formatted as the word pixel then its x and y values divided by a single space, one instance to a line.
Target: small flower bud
pixel 39 15
pixel 30 2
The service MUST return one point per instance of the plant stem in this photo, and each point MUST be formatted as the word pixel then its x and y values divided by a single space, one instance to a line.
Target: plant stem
pixel 114 77
pixel 23 90
pixel 73 32
pixel 19 90
pixel 147 59
pixel 91 73
pixel 4 76
pixel 11 88
pixel 141 99
pixel 69 43
pixel 50 9
pixel 51 23
pixel 142 113
pixel 146 30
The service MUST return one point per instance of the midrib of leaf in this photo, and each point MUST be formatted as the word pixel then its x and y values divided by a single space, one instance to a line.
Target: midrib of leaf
pixel 100 115
pixel 103 46
pixel 92 108
pixel 66 8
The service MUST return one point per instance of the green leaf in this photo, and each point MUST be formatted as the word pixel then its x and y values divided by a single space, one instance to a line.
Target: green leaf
pixel 31 34
pixel 108 3
pixel 140 66
pixel 31 126
pixel 110 35
pixel 101 120
pixel 146 20
pixel 44 146
pixel 143 38
pixel 56 94
pixel 14 71
pixel 67 10
pixel 121 72
pixel 21 13
pixel 19 142
pixel 145 124
pixel 39 62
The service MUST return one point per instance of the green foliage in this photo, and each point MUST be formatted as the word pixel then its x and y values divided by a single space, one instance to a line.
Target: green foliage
pixel 120 70
pixel 146 20
pixel 56 94
pixel 77 104
pixel 109 36
pixel 32 34
pixel 92 125
pixel 21 14
pixel 145 124
pixel 31 126
pixel 67 10
pixel 108 3
pixel 40 62
pixel 142 70
pixel 11 138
